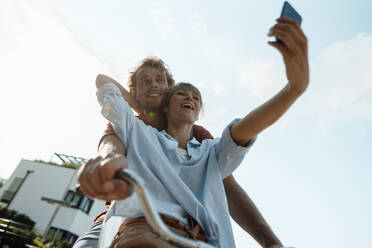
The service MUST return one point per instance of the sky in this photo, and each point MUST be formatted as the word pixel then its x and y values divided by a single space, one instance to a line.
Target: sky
pixel 309 173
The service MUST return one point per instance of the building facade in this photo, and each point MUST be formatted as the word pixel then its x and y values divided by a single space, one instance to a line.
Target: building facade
pixel 46 193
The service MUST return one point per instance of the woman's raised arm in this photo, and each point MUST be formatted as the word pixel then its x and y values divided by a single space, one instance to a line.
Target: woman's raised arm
pixel 293 47
pixel 263 116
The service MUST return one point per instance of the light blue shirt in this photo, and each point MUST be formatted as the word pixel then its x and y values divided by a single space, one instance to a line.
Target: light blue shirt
pixel 179 186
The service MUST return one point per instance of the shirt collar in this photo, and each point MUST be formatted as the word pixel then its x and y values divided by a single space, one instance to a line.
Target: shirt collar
pixel 194 142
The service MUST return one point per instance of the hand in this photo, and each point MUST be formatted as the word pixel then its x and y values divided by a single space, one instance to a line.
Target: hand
pixel 96 178
pixel 293 47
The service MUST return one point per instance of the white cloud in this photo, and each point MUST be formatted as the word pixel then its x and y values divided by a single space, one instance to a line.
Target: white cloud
pixel 340 93
pixel 340 83
pixel 163 20
pixel 48 94
pixel 204 40
pixel 261 78
pixel 343 78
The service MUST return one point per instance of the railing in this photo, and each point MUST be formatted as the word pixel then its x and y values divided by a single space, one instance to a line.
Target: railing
pixel 15 233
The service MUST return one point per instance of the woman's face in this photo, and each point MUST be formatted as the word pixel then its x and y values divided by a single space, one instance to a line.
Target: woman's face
pixel 184 105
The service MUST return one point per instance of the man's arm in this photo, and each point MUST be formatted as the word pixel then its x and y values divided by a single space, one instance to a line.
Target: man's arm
pixel 131 100
pixel 293 47
pixel 96 177
pixel 246 214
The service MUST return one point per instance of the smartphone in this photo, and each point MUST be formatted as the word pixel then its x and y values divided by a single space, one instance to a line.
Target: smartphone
pixel 289 12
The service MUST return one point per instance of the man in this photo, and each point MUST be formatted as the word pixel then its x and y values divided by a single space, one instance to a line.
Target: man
pixel 148 84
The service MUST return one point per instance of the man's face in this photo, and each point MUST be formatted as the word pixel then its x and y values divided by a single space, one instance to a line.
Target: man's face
pixel 151 87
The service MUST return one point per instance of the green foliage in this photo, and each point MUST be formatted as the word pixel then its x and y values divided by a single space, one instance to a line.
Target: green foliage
pixel 31 233
pixel 22 218
pixel 7 214
pixel 63 244
pixel 57 242
pixel 15 234
pixel 15 216
pixel 2 182
pixel 65 164
pixel 69 165
pixel 44 162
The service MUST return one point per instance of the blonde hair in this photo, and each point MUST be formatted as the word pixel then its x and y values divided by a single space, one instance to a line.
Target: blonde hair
pixel 151 62
pixel 181 86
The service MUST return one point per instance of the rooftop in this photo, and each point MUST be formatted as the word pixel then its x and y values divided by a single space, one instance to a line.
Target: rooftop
pixel 59 159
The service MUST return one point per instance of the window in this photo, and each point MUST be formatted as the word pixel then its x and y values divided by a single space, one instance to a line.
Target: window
pixel 76 201
pixel 15 184
pixel 60 234
pixel 51 232
pixel 69 196
pixel 71 238
pixel 86 205
pixel 9 194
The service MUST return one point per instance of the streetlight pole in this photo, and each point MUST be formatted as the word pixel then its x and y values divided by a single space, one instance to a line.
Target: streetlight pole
pixel 59 205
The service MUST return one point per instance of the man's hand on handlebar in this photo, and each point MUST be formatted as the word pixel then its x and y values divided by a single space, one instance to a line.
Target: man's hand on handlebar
pixel 96 178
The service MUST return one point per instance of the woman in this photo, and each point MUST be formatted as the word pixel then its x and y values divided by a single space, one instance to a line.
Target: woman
pixel 183 176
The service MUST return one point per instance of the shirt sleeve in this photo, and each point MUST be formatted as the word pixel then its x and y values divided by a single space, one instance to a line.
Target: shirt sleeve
pixel 116 110
pixel 229 155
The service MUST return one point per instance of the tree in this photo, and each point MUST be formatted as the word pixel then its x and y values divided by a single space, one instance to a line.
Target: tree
pixel 14 215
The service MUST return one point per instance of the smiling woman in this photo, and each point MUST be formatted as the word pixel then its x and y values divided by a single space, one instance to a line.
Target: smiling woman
pixel 182 104
pixel 185 87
